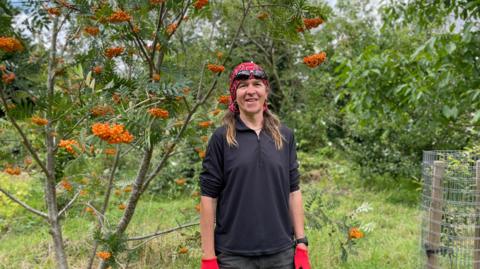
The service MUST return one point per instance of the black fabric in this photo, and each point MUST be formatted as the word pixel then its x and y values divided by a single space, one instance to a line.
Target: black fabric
pixel 252 183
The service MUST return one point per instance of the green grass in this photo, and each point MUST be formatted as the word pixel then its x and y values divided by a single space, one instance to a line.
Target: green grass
pixel 393 241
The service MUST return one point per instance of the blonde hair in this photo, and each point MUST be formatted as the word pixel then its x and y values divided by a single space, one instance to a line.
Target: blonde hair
pixel 271 124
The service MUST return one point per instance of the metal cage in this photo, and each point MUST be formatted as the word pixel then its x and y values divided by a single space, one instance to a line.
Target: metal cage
pixel 450 234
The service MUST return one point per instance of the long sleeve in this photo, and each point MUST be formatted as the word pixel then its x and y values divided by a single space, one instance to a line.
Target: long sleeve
pixel 211 178
pixel 293 165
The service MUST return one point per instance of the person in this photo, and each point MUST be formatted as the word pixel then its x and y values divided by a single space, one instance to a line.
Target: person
pixel 251 213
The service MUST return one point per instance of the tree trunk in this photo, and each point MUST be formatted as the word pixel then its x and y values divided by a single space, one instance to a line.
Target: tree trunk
pixel 134 197
pixel 50 191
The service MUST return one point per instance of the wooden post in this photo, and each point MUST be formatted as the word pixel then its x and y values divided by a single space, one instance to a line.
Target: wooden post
pixel 476 251
pixel 435 216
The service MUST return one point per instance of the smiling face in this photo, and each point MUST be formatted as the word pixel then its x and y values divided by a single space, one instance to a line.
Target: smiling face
pixel 251 95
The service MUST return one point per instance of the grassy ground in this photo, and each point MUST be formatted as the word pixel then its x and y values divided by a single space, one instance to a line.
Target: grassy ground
pixel 391 227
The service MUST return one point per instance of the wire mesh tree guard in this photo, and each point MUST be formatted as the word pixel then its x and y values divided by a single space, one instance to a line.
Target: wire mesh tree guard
pixel 451 210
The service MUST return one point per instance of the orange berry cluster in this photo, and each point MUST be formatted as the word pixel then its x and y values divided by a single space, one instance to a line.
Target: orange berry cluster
pixel 92 30
pixel 97 69
pixel 55 11
pixel 216 112
pixel 90 210
pixel 312 23
pixel 122 206
pixel 113 134
pixel 136 29
pixel 171 28
pixel 262 16
pixel 119 16
pixel 117 99
pixel 224 99
pixel 315 59
pixel 355 233
pixel 180 181
pixel 199 4
pixel 205 124
pixel 156 77
pixel 158 113
pixel 101 111
pixel 14 171
pixel 114 52
pixel 215 68
pixel 10 44
pixel 68 145
pixel 104 255
pixel 39 121
pixel 66 185
pixel 8 78
pixel 110 151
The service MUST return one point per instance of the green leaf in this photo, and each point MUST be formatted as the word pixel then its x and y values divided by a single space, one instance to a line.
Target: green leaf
pixel 476 117
pixel 450 112
pixel 451 47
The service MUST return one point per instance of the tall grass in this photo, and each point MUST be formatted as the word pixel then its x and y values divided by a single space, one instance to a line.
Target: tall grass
pixel 392 242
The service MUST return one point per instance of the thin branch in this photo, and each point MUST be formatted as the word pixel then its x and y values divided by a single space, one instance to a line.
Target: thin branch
pixel 95 243
pixel 26 142
pixel 156 234
pixel 69 204
pixel 140 45
pixel 202 73
pixel 262 48
pixel 66 134
pixel 194 109
pixel 101 213
pixel 24 205
pixel 97 212
pixel 273 5
pixel 186 104
pixel 159 25
pixel 110 183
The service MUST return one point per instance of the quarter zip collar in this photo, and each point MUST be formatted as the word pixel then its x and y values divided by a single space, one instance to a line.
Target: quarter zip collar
pixel 240 125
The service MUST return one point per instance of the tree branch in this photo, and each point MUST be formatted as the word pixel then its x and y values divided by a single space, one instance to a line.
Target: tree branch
pixel 69 204
pixel 141 46
pixel 159 25
pixel 110 185
pixel 156 234
pixel 24 205
pixel 194 109
pixel 26 142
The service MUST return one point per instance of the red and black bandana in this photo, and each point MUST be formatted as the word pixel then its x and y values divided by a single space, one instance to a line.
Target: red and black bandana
pixel 250 66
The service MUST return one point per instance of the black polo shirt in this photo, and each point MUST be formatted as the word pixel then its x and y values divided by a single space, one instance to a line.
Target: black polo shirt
pixel 252 183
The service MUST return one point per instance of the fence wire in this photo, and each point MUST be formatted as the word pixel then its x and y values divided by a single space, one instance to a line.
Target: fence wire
pixel 450 232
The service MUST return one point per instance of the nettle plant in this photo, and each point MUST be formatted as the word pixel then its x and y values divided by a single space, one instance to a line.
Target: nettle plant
pixel 105 88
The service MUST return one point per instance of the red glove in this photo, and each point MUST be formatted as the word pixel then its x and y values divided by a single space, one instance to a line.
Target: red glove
pixel 210 263
pixel 301 258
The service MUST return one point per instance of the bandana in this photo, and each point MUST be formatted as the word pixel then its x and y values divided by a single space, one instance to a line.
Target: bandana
pixel 250 66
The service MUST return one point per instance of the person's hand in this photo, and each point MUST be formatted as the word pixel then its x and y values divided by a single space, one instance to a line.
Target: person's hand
pixel 301 257
pixel 209 263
